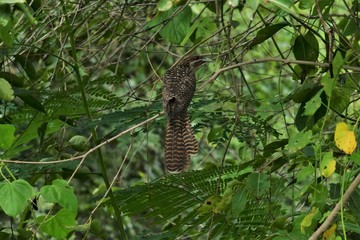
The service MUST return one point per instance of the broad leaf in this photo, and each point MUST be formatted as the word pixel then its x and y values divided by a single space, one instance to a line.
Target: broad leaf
pixel 344 138
pixel 305 173
pixel 15 196
pixel 6 135
pixel 164 5
pixel 308 219
pixel 299 140
pixel 306 47
pixel 59 225
pixel 266 33
pixel 313 104
pixel 60 192
pixel 327 165
pixel 238 203
pixel 6 91
pixel 258 183
pixel 354 204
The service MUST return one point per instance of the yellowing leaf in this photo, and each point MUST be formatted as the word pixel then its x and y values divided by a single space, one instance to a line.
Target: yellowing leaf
pixel 344 138
pixel 306 222
pixel 327 165
pixel 330 233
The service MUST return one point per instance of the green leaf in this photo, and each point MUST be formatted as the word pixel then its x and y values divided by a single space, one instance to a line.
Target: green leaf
pixel 205 28
pixel 79 143
pixel 12 1
pixel 214 134
pixel 305 92
pixel 354 204
pixel 59 225
pixel 327 164
pixel 306 47
pixel 338 63
pixel 14 80
pixel 284 5
pixel 15 196
pixel 177 27
pixel 299 140
pixel 348 26
pixel 6 135
pixel 328 84
pixel 253 4
pixel 6 91
pixel 355 157
pixel 238 203
pixel 305 172
pixel 27 65
pixel 308 220
pixel 6 25
pixel 164 5
pixel 31 101
pixel 306 4
pixel 319 194
pixel 267 32
pixel 60 192
pixel 258 184
pixel 271 147
pixel 313 105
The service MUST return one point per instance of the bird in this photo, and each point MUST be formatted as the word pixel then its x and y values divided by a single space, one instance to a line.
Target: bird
pixel 179 84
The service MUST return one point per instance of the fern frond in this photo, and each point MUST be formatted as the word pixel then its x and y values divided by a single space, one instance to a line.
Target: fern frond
pixel 175 201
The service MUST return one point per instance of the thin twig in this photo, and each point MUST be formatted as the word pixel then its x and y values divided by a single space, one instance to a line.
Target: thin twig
pixel 83 156
pixel 270 59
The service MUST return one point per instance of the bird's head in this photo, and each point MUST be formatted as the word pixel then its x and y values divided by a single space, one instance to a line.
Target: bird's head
pixel 196 61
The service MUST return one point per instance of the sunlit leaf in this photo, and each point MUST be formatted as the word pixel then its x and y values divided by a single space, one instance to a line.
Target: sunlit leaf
pixel 299 140
pixel 164 5
pixel 284 5
pixel 11 1
pixel 307 221
pixel 313 104
pixel 330 233
pixel 79 143
pixel 233 3
pixel 210 205
pixel 327 165
pixel 6 91
pixel 344 138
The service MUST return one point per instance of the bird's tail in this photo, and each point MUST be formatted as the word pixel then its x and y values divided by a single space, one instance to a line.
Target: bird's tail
pixel 180 142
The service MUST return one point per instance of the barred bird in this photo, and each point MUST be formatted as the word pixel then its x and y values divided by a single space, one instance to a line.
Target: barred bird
pixel 178 90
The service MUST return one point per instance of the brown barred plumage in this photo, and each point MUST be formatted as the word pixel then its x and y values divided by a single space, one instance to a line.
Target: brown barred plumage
pixel 178 90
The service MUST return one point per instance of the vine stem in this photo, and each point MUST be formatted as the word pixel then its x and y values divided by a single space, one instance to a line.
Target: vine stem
pixel 328 221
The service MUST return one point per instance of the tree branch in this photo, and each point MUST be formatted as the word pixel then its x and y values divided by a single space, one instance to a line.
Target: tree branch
pixel 326 224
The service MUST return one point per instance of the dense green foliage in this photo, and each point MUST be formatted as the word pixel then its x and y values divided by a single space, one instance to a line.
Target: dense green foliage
pixel 82 128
